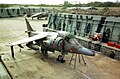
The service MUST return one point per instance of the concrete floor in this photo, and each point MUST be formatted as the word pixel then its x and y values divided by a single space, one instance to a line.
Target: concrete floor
pixel 30 64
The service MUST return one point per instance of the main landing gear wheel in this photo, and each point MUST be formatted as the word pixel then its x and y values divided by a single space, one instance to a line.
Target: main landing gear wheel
pixel 60 59
pixel 45 52
pixel 42 50
pixel 45 18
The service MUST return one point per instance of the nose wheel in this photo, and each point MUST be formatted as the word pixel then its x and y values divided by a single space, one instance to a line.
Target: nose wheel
pixel 61 59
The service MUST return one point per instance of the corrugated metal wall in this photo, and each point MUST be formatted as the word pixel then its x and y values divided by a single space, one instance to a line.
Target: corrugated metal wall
pixel 13 12
pixel 85 25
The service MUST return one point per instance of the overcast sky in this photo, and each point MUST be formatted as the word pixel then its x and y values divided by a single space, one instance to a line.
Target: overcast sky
pixel 49 1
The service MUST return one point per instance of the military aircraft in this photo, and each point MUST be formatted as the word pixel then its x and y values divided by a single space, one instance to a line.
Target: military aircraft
pixel 40 15
pixel 52 41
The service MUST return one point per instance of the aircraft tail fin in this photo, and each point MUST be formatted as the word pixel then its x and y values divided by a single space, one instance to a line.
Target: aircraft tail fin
pixel 29 28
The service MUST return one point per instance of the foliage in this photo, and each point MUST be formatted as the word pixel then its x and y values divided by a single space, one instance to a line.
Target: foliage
pixel 4 5
pixel 68 4
pixel 95 4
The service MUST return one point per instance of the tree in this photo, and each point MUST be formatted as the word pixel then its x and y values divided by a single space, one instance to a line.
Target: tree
pixel 67 4
pixel 107 4
pixel 4 5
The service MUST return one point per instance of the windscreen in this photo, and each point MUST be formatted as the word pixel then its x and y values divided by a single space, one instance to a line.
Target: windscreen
pixel 73 41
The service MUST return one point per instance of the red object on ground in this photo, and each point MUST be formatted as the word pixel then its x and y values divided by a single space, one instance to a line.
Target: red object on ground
pixel 117 46
pixel 90 38
pixel 99 36
pixel 111 44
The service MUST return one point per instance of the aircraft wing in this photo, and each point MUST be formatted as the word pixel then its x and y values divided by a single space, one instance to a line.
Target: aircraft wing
pixel 26 40
pixel 36 14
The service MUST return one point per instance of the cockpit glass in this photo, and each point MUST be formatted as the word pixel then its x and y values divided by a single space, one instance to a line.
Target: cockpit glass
pixel 73 41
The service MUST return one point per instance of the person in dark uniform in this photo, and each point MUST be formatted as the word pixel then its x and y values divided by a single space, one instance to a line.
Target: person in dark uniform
pixel 106 35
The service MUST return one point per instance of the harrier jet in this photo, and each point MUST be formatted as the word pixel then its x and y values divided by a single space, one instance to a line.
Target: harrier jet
pixel 52 41
pixel 40 15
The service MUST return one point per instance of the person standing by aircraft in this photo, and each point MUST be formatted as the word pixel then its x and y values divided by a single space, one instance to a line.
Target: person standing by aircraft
pixel 106 35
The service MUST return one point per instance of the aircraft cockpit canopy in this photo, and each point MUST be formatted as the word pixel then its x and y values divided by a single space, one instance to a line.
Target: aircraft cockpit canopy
pixel 70 38
pixel 73 41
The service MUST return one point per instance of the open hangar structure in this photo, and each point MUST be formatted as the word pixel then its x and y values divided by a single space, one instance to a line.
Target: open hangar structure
pixel 84 26
pixel 19 11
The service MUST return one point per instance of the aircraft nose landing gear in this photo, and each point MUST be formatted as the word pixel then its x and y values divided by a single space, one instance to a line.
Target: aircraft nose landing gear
pixel 61 59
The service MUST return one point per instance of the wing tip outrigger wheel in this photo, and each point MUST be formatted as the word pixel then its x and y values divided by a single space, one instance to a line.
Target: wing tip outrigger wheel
pixel 12 49
pixel 12 52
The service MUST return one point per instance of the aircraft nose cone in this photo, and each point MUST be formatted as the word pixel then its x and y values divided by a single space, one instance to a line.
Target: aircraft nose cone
pixel 85 51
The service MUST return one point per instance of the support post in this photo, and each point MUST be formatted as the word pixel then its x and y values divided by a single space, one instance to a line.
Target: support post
pixel 83 60
pixel 79 57
pixel 71 59
pixel 76 59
